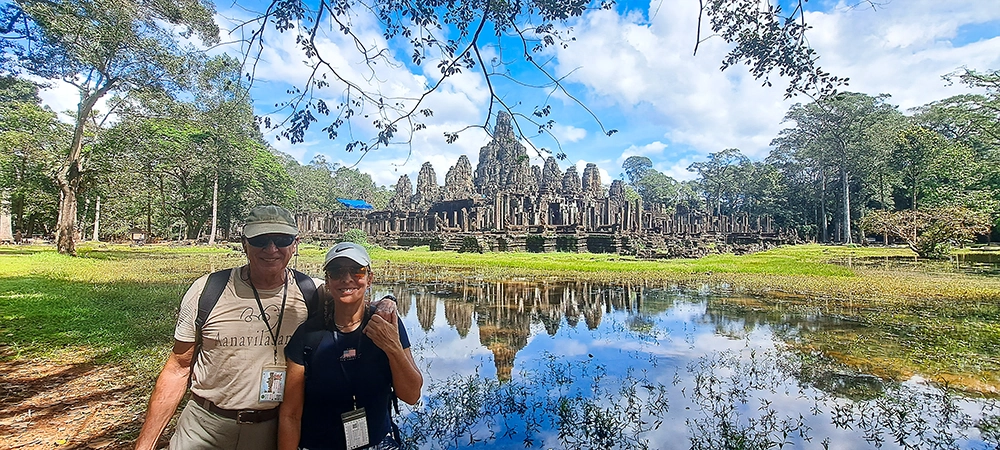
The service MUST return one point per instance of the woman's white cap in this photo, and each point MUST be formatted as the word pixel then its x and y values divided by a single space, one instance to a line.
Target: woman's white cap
pixel 349 250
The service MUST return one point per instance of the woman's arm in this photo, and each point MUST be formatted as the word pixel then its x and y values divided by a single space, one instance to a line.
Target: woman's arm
pixel 406 378
pixel 290 414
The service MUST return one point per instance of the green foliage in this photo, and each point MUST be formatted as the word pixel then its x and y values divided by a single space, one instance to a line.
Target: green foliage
pixel 101 47
pixel 635 167
pixel 168 155
pixel 356 236
pixel 535 243
pixel 31 143
pixel 719 177
pixel 656 188
pixel 470 245
pixel 930 233
pixel 834 148
pixel 566 244
pixel 433 243
pixel 601 244
pixel 319 184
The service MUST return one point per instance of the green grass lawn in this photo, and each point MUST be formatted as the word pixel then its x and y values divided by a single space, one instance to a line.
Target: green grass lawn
pixel 117 304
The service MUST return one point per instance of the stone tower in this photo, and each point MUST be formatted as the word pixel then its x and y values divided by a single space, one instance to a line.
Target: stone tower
pixel 503 163
pixel 400 201
pixel 458 181
pixel 592 182
pixel 428 191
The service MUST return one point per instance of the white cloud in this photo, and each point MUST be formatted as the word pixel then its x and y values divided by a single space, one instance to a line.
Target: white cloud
pixel 64 99
pixel 903 48
pixel 639 75
pixel 568 134
pixel 651 150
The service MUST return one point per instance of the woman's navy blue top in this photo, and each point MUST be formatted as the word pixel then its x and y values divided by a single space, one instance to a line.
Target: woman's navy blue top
pixel 339 367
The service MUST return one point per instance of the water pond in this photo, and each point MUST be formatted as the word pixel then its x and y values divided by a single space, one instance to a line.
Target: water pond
pixel 579 365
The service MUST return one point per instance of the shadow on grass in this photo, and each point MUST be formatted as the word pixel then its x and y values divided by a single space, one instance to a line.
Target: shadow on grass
pixel 17 250
pixel 116 319
pixel 77 405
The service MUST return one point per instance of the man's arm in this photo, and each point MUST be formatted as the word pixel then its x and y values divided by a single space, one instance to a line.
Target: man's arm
pixel 170 388
pixel 290 414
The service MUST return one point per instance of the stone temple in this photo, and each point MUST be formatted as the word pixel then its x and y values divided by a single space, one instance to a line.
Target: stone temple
pixel 507 204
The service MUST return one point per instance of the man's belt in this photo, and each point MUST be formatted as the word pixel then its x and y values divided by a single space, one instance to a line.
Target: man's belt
pixel 240 416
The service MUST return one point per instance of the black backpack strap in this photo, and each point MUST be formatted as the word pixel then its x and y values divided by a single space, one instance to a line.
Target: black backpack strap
pixel 206 302
pixel 209 297
pixel 309 293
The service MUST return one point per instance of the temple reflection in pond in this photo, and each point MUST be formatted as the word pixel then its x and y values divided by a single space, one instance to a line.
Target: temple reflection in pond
pixel 504 312
pixel 646 367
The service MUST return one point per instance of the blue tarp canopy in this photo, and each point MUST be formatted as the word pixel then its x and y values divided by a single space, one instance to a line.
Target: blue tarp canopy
pixel 355 204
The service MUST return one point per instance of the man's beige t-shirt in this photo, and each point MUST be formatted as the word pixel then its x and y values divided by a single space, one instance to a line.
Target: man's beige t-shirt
pixel 236 343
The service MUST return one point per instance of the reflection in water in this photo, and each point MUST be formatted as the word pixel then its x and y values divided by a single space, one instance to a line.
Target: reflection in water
pixel 581 365
pixel 974 263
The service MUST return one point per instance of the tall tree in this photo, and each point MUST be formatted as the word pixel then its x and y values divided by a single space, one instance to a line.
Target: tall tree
pixel 195 160
pixel 657 189
pixel 635 167
pixel 917 151
pixel 312 183
pixel 970 123
pixel 836 132
pixel 718 176
pixel 100 47
pixel 31 138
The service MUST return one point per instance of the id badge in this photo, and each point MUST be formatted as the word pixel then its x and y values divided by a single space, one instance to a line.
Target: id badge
pixel 272 384
pixel 355 428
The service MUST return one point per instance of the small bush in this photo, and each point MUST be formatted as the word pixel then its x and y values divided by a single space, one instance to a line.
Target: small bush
pixel 566 244
pixel 356 236
pixel 535 243
pixel 470 245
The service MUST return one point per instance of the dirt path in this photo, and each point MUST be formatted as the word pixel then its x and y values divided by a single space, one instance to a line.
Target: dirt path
pixel 67 404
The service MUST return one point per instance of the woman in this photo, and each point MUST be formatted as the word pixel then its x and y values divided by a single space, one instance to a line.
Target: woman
pixel 343 367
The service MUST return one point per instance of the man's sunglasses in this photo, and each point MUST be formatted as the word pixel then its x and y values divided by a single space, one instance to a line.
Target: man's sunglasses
pixel 358 272
pixel 280 240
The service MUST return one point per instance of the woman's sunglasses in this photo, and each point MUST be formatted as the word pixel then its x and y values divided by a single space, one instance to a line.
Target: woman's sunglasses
pixel 358 272
pixel 280 240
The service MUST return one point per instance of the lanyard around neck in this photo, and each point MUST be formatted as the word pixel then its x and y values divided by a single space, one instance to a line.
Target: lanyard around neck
pixel 338 335
pixel 263 316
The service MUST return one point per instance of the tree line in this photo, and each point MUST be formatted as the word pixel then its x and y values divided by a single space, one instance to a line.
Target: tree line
pixel 846 167
pixel 852 166
pixel 166 166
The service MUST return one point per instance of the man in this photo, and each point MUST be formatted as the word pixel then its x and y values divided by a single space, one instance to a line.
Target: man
pixel 236 376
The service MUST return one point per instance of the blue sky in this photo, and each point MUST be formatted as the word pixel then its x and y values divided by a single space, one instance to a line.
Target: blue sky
pixel 635 69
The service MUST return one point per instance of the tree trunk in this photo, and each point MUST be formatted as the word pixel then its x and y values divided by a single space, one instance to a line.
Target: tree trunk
pixel 97 220
pixel 66 225
pixel 215 208
pixel 71 173
pixel 6 227
pixel 149 217
pixel 847 205
pixel 823 225
pixel 194 227
pixel 83 220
